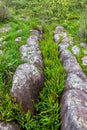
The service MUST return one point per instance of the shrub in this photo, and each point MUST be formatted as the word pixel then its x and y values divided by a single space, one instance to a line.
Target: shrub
pixel 6 9
pixel 82 30
pixel 3 12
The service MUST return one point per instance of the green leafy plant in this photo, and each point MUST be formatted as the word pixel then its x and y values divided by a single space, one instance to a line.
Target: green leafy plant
pixel 82 31
pixel 3 12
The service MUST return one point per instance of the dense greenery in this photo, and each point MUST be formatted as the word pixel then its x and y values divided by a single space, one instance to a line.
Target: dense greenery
pixel 24 15
pixel 48 11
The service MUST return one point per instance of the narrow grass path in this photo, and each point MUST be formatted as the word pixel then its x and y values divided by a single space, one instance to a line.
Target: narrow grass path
pixel 48 107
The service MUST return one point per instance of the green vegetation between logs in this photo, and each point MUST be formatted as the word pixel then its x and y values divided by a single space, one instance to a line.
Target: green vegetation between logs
pixel 24 15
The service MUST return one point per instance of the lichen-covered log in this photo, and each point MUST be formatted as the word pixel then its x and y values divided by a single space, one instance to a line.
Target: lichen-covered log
pixel 27 83
pixel 8 126
pixel 74 97
pixel 74 110
pixel 31 53
pixel 29 77
pixel 59 33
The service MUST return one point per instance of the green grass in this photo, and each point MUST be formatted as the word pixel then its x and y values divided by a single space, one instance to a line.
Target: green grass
pixel 48 14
